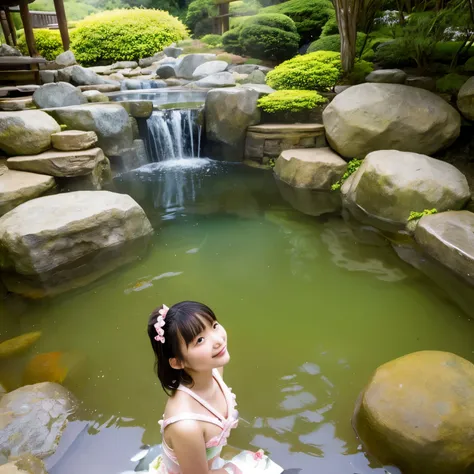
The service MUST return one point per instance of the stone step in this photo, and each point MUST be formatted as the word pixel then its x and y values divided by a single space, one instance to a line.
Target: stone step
pixel 59 163
pixel 16 103
pixel 266 141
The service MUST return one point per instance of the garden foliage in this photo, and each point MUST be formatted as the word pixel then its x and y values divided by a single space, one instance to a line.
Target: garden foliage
pixel 48 43
pixel 291 101
pixel 118 35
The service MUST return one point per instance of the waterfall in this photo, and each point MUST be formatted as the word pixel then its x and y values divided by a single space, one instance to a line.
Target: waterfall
pixel 172 134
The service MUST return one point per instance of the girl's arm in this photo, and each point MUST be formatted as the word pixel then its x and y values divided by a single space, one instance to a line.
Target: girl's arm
pixel 190 449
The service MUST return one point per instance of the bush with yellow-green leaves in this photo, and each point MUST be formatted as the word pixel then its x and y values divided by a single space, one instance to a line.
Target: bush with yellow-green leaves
pixel 124 35
pixel 48 43
pixel 290 101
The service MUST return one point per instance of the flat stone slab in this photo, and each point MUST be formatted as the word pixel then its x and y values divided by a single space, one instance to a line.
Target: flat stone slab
pixel 73 140
pixel 279 128
pixel 449 238
pixel 101 88
pixel 59 163
pixel 137 108
pixel 17 187
pixel 17 103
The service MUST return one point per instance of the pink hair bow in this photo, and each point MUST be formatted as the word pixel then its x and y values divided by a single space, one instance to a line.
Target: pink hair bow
pixel 160 322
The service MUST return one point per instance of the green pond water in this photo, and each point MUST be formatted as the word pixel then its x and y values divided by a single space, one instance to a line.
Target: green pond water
pixel 310 313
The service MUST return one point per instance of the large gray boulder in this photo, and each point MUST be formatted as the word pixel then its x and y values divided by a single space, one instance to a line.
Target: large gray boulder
pixel 305 176
pixel 466 99
pixel 220 79
pixel 25 464
pixel 73 140
pixel 255 77
pixel 109 121
pixel 371 117
pixel 211 67
pixel 33 419
pixel 243 68
pixel 79 76
pixel 387 76
pixel 228 114
pixel 54 243
pixel 59 163
pixel 17 187
pixel 189 63
pixel 448 237
pixel 390 184
pixel 26 132
pixel 58 94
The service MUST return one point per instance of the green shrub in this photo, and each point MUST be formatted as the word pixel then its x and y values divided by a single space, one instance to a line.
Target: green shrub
pixel 265 36
pixel 245 7
pixel 331 27
pixel 414 215
pixel 291 100
pixel 310 16
pixel 212 40
pixel 352 167
pixel 361 70
pixel 230 41
pixel 451 83
pixel 48 43
pixel 333 43
pixel 469 65
pixel 198 17
pixel 444 51
pixel 118 35
pixel 315 71
pixel 393 54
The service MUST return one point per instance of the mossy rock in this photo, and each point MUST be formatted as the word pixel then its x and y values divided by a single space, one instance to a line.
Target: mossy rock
pixel 19 344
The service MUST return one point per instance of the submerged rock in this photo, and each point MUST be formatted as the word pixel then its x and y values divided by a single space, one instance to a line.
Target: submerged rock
pixel 17 187
pixel 26 132
pixel 305 177
pixel 228 114
pixel 448 237
pixel 58 94
pixel 371 117
pixel 33 419
pixel 109 121
pixel 19 344
pixel 55 243
pixel 390 184
pixel 417 413
pixel 466 99
pixel 73 140
pixel 25 464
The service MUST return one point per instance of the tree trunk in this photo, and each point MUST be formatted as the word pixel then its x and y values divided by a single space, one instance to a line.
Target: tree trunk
pixel 347 13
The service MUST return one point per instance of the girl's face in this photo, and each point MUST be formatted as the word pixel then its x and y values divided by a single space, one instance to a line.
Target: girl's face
pixel 208 350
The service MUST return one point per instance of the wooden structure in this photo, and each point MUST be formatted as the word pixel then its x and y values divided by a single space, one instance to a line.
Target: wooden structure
pixel 15 69
pixel 222 19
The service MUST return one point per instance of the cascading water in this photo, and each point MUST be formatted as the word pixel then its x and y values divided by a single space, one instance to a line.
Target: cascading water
pixel 173 143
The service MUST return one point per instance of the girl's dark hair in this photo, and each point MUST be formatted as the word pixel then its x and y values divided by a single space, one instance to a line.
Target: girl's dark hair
pixel 184 320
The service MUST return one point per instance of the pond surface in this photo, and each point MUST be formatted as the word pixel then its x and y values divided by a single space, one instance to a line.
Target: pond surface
pixel 310 312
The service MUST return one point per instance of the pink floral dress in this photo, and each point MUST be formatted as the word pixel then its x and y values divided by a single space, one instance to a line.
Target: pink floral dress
pixel 248 462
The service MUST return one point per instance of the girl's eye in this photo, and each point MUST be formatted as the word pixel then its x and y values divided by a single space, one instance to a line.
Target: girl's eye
pixel 199 340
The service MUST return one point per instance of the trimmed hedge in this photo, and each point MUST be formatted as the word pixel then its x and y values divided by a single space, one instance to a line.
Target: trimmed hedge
pixel 291 101
pixel 451 83
pixel 333 43
pixel 198 17
pixel 315 71
pixel 119 35
pixel 212 40
pixel 48 43
pixel 331 27
pixel 310 16
pixel 265 36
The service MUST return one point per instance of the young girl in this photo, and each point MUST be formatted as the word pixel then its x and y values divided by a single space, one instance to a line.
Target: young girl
pixel 191 351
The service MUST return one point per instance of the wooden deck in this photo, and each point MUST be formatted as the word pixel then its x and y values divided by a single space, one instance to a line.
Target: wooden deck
pixel 20 70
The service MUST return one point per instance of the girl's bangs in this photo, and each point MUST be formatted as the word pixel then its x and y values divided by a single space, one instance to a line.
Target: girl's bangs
pixel 191 325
